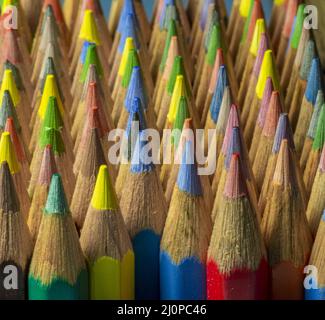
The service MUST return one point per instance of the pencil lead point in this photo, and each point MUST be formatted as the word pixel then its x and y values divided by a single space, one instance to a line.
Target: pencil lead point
pixel 104 197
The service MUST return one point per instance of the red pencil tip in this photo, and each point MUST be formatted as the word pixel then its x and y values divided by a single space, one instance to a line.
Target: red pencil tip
pixel 273 115
pixel 10 127
pixel 235 186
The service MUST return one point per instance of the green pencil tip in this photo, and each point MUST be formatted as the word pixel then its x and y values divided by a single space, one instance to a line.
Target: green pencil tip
pixel 177 70
pixel 91 58
pixel 56 201
pixel 214 44
pixel 132 61
pixel 172 31
pixel 53 117
pixel 320 132
pixel 298 26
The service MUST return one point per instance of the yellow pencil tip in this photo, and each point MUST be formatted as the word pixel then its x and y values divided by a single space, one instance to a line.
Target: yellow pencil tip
pixel 244 8
pixel 268 69
pixel 129 45
pixel 179 91
pixel 7 153
pixel 104 197
pixel 50 90
pixel 279 2
pixel 89 31
pixel 259 29
pixel 8 83
pixel 5 4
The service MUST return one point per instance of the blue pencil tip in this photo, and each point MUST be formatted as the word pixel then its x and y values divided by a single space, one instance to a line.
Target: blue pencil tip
pixel 314 82
pixel 136 114
pixel 84 50
pixel 136 90
pixel 216 102
pixel 188 179
pixel 128 8
pixel 129 29
pixel 283 131
pixel 142 157
pixel 234 146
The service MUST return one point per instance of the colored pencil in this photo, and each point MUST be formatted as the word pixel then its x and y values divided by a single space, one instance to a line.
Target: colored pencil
pixel 118 14
pixel 288 25
pixel 251 58
pixel 165 72
pixel 250 92
pixel 52 133
pixel 268 69
pixel 317 260
pixel 231 122
pixel 277 19
pixel 136 117
pixel 137 89
pixel 256 13
pixel 265 144
pixel 51 67
pixel 219 61
pixel 58 269
pixel 216 103
pixel 187 133
pixel 144 219
pixel 201 25
pixel 177 84
pixel 182 114
pixel 51 89
pixel 204 73
pixel 285 230
pixel 186 236
pixel 294 103
pixel 316 202
pixel 88 33
pixel 315 154
pixel 107 245
pixel 93 114
pixel 93 157
pixel 234 37
pixel 7 110
pixel 172 10
pixel 294 73
pixel 48 168
pixel 15 240
pixel 311 130
pixel 49 33
pixel 8 153
pixel 283 132
pixel 265 104
pixel 19 148
pixel 233 18
pixel 89 56
pixel 129 29
pixel 293 47
pixel 308 104
pixel 22 27
pixel 236 264
pixel 19 99
pixel 235 144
